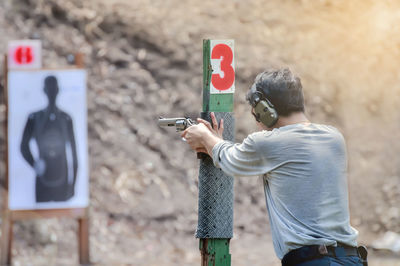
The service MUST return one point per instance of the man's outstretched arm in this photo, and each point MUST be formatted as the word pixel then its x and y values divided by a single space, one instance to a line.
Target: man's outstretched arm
pixel 234 159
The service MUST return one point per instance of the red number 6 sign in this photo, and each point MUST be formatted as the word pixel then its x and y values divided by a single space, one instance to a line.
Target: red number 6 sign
pixel 222 62
pixel 24 54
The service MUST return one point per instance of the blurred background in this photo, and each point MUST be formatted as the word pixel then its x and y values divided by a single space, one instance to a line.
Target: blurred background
pixel 144 59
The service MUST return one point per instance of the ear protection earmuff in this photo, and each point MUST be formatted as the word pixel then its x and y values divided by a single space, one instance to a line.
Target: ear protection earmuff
pixel 264 111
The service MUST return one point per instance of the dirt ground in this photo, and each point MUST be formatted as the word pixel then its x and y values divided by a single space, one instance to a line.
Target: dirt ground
pixel 145 59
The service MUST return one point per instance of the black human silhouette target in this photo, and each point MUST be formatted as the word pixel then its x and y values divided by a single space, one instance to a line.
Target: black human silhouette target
pixel 52 130
pixel 47 139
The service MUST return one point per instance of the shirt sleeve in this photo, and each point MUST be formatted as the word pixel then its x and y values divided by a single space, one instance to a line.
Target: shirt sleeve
pixel 240 159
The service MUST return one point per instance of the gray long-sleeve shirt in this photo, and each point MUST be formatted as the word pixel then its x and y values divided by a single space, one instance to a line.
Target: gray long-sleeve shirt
pixel 305 182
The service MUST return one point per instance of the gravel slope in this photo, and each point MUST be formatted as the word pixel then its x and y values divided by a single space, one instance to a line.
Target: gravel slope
pixel 145 61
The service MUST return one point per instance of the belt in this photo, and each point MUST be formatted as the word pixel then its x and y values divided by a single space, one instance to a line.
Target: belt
pixel 312 252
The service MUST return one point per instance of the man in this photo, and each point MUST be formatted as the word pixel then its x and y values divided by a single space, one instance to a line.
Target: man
pixel 57 164
pixel 304 172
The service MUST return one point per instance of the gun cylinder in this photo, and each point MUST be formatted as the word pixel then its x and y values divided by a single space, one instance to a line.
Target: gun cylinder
pixel 181 125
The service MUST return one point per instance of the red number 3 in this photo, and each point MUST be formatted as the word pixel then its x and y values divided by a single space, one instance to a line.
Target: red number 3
pixel 225 82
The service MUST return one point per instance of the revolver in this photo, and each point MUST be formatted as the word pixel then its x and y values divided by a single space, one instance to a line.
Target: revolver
pixel 180 123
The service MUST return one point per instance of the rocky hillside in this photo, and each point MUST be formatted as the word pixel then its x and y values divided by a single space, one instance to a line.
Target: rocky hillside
pixel 144 60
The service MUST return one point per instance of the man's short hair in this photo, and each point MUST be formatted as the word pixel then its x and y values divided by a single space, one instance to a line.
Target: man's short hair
pixel 282 88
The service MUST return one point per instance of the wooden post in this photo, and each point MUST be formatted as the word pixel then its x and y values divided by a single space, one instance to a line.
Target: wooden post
pixel 83 239
pixel 83 222
pixel 6 238
pixel 79 62
pixel 6 223
pixel 9 216
pixel 214 251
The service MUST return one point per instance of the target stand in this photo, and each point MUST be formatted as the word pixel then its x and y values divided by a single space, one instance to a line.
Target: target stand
pixel 9 216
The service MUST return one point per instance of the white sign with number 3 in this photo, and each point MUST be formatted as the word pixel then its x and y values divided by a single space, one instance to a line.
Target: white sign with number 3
pixel 223 66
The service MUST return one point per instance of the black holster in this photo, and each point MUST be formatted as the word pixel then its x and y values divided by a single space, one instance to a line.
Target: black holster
pixel 363 252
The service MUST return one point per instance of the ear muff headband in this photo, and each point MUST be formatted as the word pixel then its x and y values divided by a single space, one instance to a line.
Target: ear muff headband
pixel 264 110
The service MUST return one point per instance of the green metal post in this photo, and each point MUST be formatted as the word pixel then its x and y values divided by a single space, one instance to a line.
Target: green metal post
pixel 214 252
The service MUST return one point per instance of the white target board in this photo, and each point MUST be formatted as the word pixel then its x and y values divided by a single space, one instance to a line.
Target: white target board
pixel 47 139
pixel 223 66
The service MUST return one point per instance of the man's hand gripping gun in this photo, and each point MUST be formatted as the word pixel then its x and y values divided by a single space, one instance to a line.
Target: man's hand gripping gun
pixel 180 123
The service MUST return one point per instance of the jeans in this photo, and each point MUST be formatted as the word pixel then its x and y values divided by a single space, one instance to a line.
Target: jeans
pixel 330 261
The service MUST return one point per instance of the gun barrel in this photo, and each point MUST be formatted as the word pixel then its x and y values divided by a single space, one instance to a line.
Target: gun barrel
pixel 181 123
pixel 169 122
